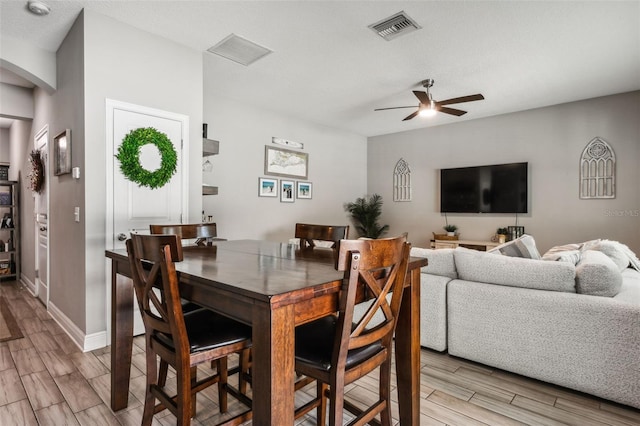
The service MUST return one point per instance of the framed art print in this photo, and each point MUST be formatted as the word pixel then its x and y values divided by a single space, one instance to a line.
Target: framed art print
pixel 267 187
pixel 287 189
pixel 62 153
pixel 304 190
pixel 285 162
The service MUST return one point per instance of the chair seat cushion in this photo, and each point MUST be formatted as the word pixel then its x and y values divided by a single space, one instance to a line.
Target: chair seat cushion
pixel 209 330
pixel 314 345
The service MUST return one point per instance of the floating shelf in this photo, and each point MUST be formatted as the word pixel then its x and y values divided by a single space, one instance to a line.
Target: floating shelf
pixel 210 147
pixel 209 190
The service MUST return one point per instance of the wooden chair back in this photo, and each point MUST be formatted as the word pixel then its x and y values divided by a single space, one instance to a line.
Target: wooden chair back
pixel 307 233
pixel 379 268
pixel 152 260
pixel 198 231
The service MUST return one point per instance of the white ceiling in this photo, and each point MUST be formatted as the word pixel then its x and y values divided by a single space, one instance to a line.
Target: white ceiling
pixel 330 68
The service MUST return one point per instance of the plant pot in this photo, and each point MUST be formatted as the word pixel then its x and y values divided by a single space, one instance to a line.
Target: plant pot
pixel 451 234
pixel 502 238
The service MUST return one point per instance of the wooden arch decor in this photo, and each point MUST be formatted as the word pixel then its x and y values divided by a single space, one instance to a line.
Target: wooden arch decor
pixel 402 181
pixel 597 170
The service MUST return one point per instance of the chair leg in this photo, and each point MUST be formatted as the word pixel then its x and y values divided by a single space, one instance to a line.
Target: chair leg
pixel 321 413
pixel 183 398
pixel 336 404
pixel 193 381
pixel 245 360
pixel 222 383
pixel 162 374
pixel 152 378
pixel 385 392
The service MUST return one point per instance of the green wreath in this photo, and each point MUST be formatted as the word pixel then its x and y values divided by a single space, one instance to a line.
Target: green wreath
pixel 129 157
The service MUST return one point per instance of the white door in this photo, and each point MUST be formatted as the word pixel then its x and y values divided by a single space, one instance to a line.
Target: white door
pixel 41 142
pixel 132 208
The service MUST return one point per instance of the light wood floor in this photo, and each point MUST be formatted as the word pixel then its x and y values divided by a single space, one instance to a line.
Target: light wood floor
pixel 45 379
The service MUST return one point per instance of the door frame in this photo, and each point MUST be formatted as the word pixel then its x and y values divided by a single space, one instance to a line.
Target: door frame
pixel 111 106
pixel 47 177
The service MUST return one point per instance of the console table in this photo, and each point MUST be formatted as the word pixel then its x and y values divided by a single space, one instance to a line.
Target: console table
pixel 470 244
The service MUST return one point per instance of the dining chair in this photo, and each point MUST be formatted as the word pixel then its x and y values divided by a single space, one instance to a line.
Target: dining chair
pixel 201 232
pixel 338 349
pixel 307 233
pixel 182 340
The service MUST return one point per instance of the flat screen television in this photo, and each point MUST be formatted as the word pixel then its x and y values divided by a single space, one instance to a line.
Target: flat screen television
pixel 500 188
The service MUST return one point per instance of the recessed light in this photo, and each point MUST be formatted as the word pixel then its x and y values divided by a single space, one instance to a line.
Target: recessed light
pixel 38 8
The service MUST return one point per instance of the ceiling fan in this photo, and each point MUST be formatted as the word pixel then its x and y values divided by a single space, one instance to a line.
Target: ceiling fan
pixel 428 106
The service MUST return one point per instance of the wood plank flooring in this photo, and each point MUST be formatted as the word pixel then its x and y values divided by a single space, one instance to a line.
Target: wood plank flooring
pixel 45 379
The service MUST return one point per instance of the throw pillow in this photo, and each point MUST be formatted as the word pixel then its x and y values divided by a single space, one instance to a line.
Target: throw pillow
pixel 524 246
pixel 614 250
pixel 597 275
pixel 565 253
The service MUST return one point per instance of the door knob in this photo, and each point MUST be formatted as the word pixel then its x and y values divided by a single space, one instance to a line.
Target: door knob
pixel 122 237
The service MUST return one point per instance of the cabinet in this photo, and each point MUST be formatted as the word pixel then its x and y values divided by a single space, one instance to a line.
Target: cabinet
pixel 209 147
pixel 470 244
pixel 9 230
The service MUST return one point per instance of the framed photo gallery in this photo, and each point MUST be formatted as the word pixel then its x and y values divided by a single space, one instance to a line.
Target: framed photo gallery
pixel 288 190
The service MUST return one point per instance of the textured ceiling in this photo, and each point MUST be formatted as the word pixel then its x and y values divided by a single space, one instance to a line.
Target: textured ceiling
pixel 329 68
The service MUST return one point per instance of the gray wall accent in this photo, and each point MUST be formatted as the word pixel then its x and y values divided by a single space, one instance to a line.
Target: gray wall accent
pixel 337 169
pixel 16 101
pixel 551 139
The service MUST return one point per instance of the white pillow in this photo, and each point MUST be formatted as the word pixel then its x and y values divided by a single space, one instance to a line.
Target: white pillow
pixel 524 246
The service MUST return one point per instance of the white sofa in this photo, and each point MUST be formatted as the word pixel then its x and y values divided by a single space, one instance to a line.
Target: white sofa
pixel 575 325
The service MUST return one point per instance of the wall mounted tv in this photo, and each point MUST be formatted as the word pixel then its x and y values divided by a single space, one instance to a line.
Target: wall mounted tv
pixel 500 188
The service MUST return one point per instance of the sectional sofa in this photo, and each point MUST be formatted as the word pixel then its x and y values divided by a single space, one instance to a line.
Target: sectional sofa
pixel 570 317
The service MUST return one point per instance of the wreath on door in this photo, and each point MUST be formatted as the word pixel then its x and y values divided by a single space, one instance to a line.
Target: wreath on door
pixel 129 157
pixel 36 175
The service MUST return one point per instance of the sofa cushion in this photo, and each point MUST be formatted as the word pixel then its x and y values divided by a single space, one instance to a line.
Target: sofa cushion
pixel 440 261
pixel 524 246
pixel 615 251
pixel 514 271
pixel 597 275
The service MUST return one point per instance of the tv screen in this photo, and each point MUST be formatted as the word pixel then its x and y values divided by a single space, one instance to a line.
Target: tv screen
pixel 500 188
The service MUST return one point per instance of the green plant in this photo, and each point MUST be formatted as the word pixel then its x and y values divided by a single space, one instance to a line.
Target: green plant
pixel 502 231
pixel 450 228
pixel 365 214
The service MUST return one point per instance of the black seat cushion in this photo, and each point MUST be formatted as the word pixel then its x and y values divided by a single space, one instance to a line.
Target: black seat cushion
pixel 314 345
pixel 209 330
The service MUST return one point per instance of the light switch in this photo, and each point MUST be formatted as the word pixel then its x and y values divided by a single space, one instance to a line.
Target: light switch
pixel 76 214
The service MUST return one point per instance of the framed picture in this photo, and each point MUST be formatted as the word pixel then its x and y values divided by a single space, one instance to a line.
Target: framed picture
pixel 287 189
pixel 285 162
pixel 304 190
pixel 267 187
pixel 62 153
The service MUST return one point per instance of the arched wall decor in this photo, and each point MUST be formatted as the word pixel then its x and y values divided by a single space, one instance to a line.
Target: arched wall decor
pixel 597 170
pixel 402 181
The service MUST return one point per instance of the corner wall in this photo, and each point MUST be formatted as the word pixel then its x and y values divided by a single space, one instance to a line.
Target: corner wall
pixel 551 139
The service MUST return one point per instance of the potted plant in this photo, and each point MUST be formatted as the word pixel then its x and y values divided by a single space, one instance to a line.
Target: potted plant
pixel 451 229
pixel 365 214
pixel 502 235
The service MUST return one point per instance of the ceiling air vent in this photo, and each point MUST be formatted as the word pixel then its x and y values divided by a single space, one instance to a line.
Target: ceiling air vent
pixel 394 26
pixel 239 50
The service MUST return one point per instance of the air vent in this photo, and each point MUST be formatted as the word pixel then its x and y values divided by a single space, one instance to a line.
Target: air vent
pixel 394 26
pixel 239 50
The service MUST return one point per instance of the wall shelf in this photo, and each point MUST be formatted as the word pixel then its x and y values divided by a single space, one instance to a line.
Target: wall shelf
pixel 9 230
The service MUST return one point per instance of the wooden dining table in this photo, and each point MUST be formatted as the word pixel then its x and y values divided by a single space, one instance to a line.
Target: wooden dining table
pixel 273 287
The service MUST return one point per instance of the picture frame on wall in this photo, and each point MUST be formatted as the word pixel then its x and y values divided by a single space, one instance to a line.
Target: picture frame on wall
pixel 62 153
pixel 304 190
pixel 287 191
pixel 267 187
pixel 285 163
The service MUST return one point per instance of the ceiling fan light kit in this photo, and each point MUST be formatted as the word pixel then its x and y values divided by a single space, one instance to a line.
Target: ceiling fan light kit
pixel 428 107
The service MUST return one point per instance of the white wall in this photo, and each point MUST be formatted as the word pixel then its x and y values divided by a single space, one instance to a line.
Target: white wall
pixel 551 139
pixel 337 169
pixel 16 101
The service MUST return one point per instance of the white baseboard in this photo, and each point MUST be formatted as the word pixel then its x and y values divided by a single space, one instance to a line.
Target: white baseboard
pixel 31 286
pixel 85 342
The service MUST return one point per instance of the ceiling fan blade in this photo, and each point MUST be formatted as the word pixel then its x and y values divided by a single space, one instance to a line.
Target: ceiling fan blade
pixel 461 99
pixel 452 111
pixel 422 97
pixel 382 109
pixel 410 116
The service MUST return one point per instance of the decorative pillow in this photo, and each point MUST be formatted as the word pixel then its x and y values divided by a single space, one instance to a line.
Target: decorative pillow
pixel 615 251
pixel 440 261
pixel 524 246
pixel 597 275
pixel 565 253
pixel 514 271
